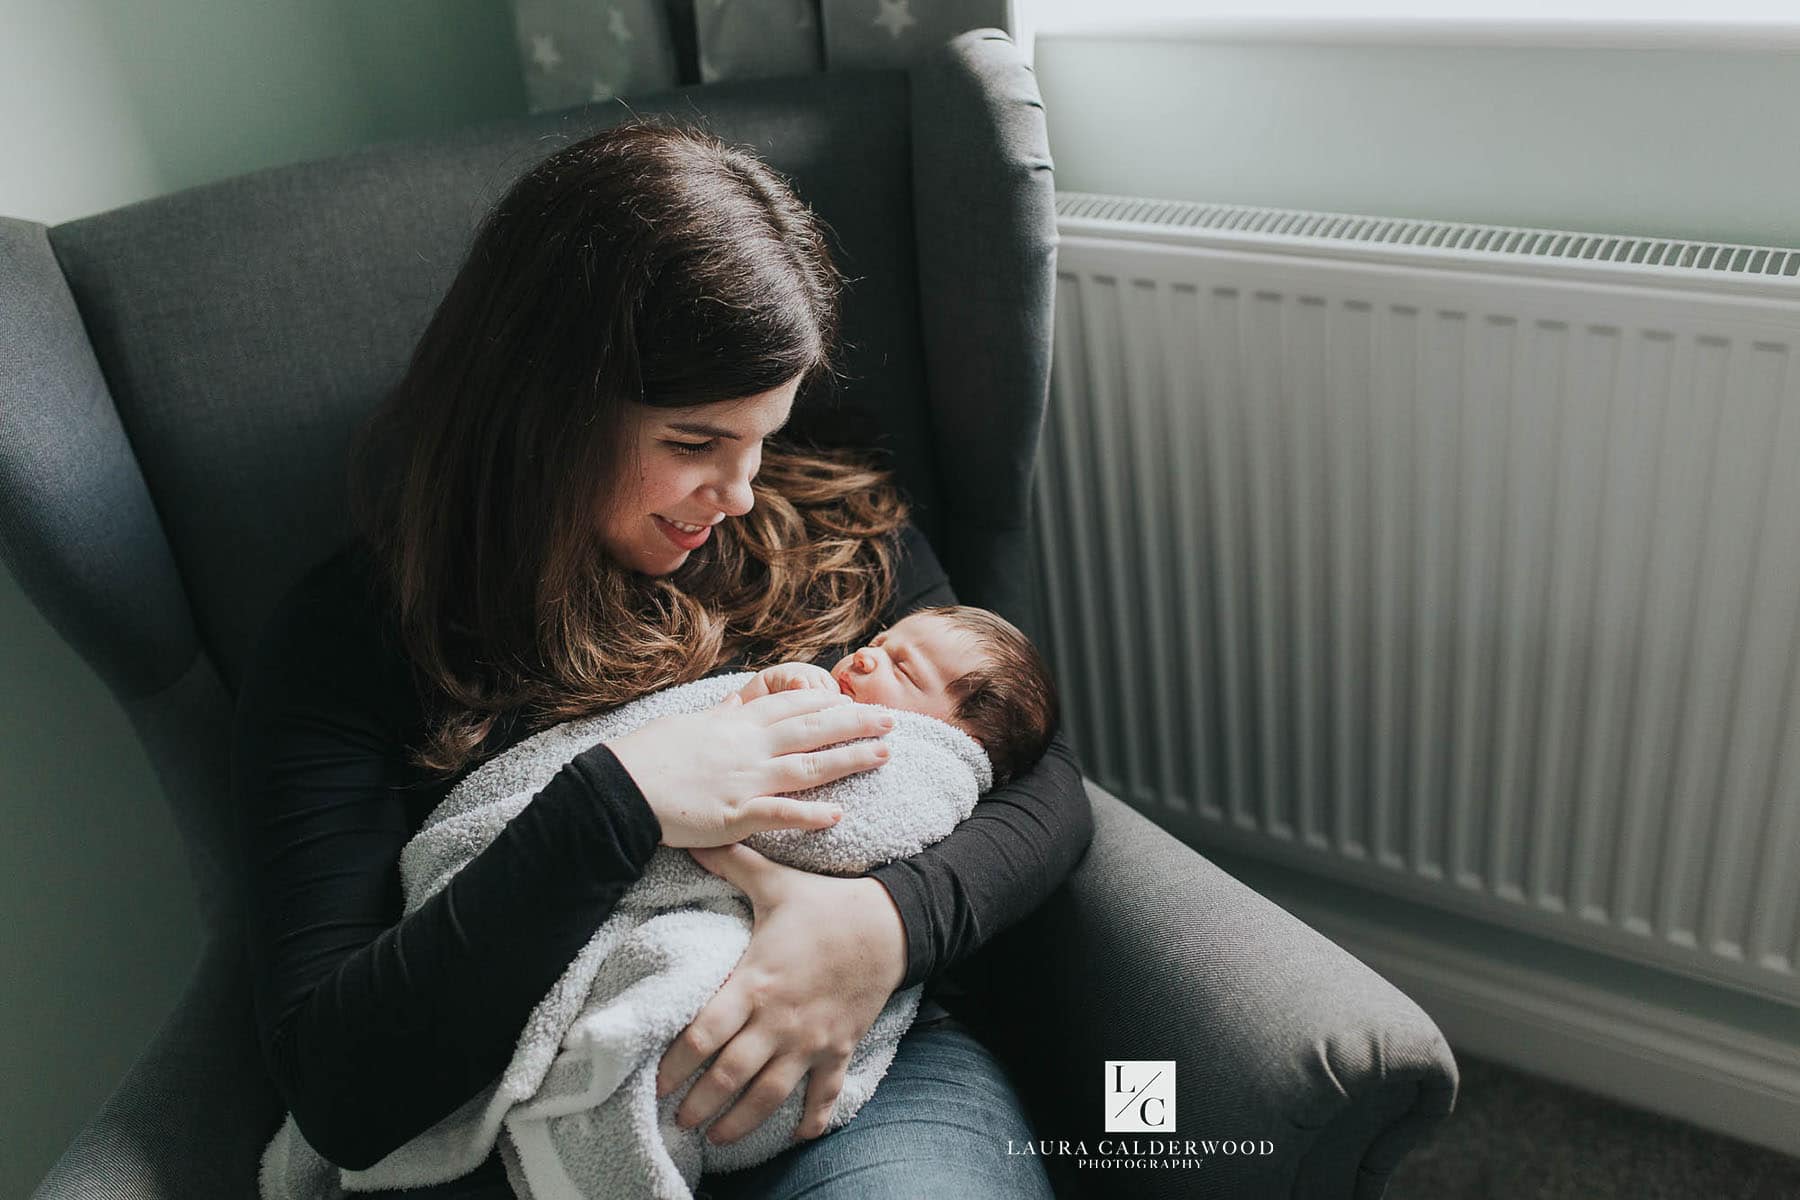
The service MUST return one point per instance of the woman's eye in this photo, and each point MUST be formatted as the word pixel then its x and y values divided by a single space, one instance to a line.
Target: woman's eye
pixel 691 447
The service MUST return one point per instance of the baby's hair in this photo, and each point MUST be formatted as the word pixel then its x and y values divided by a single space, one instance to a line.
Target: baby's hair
pixel 1007 702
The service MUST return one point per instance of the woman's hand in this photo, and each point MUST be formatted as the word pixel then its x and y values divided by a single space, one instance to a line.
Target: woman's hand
pixel 825 955
pixel 718 776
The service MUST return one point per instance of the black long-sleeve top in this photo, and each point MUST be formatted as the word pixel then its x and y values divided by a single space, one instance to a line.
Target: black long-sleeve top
pixel 354 1001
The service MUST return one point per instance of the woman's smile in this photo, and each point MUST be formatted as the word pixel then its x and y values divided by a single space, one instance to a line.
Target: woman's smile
pixel 685 537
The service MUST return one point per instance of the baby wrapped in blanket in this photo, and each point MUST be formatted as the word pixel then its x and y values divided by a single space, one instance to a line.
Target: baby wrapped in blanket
pixel 575 1112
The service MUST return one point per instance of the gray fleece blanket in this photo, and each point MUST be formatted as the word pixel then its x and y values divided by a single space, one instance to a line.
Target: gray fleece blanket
pixel 575 1113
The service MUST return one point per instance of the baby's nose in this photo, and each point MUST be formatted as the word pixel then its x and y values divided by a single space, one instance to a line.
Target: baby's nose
pixel 864 662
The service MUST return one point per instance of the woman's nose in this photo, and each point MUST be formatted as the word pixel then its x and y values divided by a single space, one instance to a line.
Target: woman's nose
pixel 735 497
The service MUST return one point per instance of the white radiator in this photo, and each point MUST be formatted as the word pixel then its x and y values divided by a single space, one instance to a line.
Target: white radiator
pixel 1456 561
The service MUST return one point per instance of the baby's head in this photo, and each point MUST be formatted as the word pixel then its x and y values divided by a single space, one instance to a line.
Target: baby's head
pixel 966 666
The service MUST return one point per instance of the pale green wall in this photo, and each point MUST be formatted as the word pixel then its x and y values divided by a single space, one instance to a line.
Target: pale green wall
pixel 109 101
pixel 103 102
pixel 1690 143
pixel 100 923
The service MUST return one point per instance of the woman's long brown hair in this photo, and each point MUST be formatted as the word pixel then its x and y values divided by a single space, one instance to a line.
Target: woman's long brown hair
pixel 649 264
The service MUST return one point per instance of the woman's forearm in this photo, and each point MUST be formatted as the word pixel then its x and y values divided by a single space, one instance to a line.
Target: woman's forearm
pixel 1018 845
pixel 394 1036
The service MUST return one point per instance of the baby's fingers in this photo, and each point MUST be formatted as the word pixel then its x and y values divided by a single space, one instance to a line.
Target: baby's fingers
pixel 779 706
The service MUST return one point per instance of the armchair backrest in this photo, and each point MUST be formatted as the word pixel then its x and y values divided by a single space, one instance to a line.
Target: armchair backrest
pixel 180 378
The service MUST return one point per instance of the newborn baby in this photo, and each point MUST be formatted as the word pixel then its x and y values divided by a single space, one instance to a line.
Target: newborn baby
pixel 575 1113
pixel 963 665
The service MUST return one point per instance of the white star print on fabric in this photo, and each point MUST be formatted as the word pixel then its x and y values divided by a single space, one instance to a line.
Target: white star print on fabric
pixel 601 90
pixel 894 17
pixel 615 25
pixel 543 51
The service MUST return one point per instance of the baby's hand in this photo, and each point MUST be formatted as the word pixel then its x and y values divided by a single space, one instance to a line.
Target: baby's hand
pixel 788 677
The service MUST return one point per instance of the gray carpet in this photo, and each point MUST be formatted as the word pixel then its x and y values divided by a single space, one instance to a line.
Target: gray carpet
pixel 1515 1136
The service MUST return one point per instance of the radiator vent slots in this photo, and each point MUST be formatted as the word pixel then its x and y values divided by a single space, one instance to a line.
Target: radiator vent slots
pixel 1772 262
pixel 1471 575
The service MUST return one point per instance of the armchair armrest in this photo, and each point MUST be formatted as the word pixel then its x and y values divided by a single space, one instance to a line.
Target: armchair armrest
pixel 1149 951
pixel 190 1119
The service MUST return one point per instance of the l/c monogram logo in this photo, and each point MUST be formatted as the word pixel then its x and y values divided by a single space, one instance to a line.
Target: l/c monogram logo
pixel 1140 1096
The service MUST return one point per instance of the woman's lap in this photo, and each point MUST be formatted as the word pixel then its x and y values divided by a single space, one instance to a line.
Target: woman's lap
pixel 937 1125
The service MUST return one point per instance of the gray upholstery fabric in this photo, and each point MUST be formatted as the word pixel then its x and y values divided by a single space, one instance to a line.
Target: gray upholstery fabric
pixel 986 207
pixel 77 526
pixel 172 424
pixel 194 768
pixel 1152 952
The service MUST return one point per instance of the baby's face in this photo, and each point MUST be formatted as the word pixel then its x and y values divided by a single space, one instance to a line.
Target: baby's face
pixel 909 666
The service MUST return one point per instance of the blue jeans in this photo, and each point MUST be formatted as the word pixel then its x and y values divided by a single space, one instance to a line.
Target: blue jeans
pixel 937 1125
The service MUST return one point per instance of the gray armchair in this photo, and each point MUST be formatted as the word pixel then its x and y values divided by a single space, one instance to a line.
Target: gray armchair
pixel 179 379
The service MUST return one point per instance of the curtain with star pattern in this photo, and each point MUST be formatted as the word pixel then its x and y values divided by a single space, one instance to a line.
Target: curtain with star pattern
pixel 580 51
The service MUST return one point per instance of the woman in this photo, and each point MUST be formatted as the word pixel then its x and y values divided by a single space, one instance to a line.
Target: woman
pixel 564 504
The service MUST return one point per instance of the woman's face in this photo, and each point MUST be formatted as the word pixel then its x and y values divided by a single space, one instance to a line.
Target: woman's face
pixel 694 467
